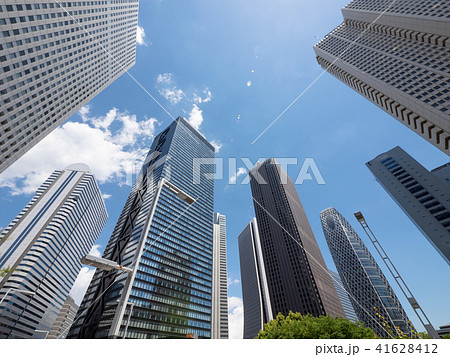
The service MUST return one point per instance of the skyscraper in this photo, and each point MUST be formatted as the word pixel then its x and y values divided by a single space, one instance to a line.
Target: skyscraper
pixel 376 302
pixel 64 320
pixel 43 247
pixel 54 58
pixel 165 235
pixel 219 318
pixel 424 196
pixel 255 289
pixel 343 296
pixel 396 54
pixel 296 272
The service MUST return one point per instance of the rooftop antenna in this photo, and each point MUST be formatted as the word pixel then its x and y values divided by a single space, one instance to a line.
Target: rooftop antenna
pixel 400 282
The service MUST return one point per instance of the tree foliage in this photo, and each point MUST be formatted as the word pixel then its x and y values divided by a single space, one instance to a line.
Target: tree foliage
pixel 5 271
pixel 296 325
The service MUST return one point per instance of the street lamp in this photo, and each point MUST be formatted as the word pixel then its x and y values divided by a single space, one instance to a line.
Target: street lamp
pixel 118 317
pixel 104 264
pixel 25 292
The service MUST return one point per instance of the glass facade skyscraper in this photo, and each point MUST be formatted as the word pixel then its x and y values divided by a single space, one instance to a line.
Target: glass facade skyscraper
pixel 55 56
pixel 165 234
pixel 43 247
pixel 376 302
pixel 219 318
pixel 297 276
pixel 423 195
pixel 395 54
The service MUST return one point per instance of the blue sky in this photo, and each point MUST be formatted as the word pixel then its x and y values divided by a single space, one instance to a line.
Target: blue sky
pixel 232 67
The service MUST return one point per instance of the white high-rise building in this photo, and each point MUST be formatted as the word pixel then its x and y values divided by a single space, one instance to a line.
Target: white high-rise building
pixel 54 58
pixel 219 297
pixel 396 54
pixel 64 320
pixel 42 250
pixel 423 195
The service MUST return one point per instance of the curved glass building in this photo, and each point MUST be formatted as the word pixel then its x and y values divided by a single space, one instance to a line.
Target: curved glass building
pixel 373 299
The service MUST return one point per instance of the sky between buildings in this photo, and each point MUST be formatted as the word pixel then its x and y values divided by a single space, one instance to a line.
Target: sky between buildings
pixel 230 68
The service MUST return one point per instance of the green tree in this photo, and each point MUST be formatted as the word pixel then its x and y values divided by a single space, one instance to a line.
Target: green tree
pixel 5 271
pixel 296 325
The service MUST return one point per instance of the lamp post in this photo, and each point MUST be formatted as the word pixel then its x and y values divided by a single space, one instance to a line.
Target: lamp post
pixel 118 317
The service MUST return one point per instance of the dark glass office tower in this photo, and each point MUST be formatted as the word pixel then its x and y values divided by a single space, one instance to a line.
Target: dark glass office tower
pixel 165 234
pixel 376 302
pixel 296 272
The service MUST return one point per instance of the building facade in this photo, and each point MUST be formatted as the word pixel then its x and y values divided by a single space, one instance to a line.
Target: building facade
pixel 373 299
pixel 343 296
pixel 255 289
pixel 395 54
pixel 54 58
pixel 423 195
pixel 165 234
pixel 43 246
pixel 296 272
pixel 219 317
pixel 64 320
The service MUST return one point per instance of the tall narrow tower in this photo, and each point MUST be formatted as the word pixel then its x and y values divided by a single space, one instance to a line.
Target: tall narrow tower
pixel 43 246
pixel 165 235
pixel 55 56
pixel 219 318
pixel 395 54
pixel 423 195
pixel 372 297
pixel 255 289
pixel 297 276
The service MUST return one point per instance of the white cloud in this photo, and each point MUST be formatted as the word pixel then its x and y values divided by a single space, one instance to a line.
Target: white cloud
pixel 81 284
pixel 165 78
pixel 235 317
pixel 109 155
pixel 95 250
pixel 140 36
pixel 173 95
pixel 232 281
pixel 106 196
pixel 217 145
pixel 241 171
pixel 195 117
pixel 198 99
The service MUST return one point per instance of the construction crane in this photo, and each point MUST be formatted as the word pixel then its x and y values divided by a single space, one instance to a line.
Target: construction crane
pixel 398 278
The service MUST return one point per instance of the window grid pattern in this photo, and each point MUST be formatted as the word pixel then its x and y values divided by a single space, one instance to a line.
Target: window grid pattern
pixel 361 276
pixel 55 59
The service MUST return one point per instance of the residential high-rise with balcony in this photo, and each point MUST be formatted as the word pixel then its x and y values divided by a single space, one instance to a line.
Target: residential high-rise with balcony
pixel 165 235
pixel 54 58
pixel 373 299
pixel 42 249
pixel 219 306
pixel 296 273
pixel 395 54
pixel 255 289
pixel 423 195
pixel 343 296
pixel 64 320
